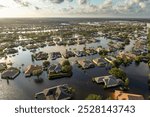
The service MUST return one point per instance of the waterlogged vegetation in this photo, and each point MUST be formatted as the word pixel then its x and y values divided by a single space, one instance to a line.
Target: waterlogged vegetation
pixel 53 54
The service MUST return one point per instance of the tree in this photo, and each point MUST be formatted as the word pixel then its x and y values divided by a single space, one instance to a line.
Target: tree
pixel 46 63
pixel 127 62
pixel 127 41
pixel 66 68
pixel 103 52
pixel 119 73
pixel 137 60
pixel 118 62
pixel 66 62
pixel 38 73
pixel 126 83
pixel 93 97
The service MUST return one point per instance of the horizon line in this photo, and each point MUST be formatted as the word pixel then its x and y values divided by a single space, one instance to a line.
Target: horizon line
pixel 76 17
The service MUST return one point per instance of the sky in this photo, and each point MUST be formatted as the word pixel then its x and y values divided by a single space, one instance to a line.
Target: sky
pixel 75 8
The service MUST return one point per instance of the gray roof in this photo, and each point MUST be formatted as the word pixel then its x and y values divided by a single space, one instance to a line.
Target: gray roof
pixel 99 79
pixel 54 93
pixel 110 81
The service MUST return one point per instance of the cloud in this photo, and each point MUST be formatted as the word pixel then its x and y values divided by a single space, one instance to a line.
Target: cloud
pixel 82 2
pixel 69 9
pixel 57 1
pixel 106 5
pixel 110 8
pixel 23 3
pixel 2 6
pixel 37 8
pixel 114 8
pixel 131 6
pixel 26 4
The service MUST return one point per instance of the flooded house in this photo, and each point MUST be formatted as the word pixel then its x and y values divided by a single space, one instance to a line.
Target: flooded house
pixel 126 55
pixel 91 51
pixel 29 70
pixel 60 92
pixel 85 64
pixel 109 81
pixel 79 53
pixel 68 54
pixel 99 61
pixel 54 68
pixel 10 73
pixel 10 51
pixel 110 59
pixel 40 56
pixel 55 55
pixel 120 95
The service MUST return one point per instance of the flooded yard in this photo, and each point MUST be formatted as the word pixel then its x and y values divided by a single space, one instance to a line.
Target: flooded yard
pixel 81 80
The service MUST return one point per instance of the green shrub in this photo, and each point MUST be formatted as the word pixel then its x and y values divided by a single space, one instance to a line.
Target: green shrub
pixel 66 68
pixel 119 73
pixel 66 62
pixel 93 97
pixel 46 63
pixel 126 83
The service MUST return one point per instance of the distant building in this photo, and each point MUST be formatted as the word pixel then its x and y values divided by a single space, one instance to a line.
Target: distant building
pixel 68 54
pixel 99 62
pixel 41 56
pixel 120 95
pixel 85 64
pixel 110 59
pixel 126 55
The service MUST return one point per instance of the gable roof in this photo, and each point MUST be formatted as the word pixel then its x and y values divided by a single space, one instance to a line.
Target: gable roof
pixel 54 93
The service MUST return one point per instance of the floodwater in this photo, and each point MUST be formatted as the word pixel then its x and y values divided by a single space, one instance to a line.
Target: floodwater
pixel 25 88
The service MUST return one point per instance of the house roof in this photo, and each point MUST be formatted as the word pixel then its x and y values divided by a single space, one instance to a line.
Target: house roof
pixel 120 95
pixel 55 67
pixel 98 60
pixel 31 68
pixel 54 93
pixel 110 81
pixel 52 67
pixel 60 94
pixel 99 79
pixel 126 55
pixel 10 72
